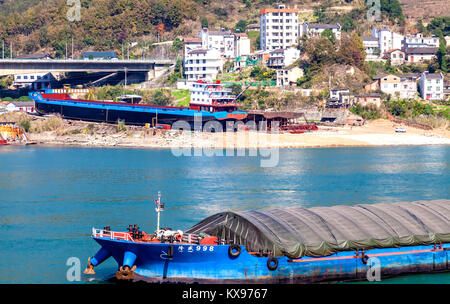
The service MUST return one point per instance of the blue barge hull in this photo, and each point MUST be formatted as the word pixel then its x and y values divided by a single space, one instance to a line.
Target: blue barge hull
pixel 132 114
pixel 191 263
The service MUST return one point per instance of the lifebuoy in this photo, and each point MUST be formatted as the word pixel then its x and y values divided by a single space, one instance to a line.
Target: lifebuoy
pixel 234 250
pixel 272 263
pixel 365 258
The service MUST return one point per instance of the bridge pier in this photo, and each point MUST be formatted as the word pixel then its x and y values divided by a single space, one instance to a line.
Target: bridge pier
pixel 149 75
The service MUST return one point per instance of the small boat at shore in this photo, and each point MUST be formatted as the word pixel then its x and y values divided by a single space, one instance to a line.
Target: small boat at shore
pixel 11 134
pixel 294 245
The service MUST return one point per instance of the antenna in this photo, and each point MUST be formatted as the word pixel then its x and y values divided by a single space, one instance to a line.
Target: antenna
pixel 158 209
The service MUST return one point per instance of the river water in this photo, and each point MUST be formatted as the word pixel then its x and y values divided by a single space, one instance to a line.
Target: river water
pixel 51 197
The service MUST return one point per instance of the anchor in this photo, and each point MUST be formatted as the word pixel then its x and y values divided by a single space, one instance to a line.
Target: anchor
pixel 125 273
pixel 102 255
pixel 89 268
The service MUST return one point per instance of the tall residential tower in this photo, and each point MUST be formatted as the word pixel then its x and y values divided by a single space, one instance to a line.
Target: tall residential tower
pixel 279 28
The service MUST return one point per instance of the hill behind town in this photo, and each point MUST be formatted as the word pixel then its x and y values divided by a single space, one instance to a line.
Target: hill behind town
pixel 42 26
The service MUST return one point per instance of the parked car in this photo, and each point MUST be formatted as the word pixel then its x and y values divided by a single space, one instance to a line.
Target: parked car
pixel 400 130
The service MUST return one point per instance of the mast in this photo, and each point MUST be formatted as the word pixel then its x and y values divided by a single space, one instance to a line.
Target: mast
pixel 158 209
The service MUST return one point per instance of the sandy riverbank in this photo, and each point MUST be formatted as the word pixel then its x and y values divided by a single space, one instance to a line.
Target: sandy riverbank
pixel 374 133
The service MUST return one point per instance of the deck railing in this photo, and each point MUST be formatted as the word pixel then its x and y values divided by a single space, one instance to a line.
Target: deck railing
pixel 113 235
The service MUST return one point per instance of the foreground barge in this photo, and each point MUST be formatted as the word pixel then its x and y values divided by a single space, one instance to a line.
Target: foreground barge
pixel 295 245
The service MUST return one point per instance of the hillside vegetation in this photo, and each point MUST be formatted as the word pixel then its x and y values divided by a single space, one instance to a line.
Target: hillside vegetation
pixel 42 26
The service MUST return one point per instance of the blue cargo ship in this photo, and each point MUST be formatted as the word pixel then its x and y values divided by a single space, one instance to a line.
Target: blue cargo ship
pixel 294 245
pixel 213 102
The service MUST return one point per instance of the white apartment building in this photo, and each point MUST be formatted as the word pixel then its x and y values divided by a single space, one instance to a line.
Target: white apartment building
pixel 287 77
pixel 36 81
pixel 387 40
pixel 222 41
pixel 432 86
pixel 282 58
pixel 371 47
pixel 190 44
pixel 241 44
pixel 401 86
pixel 278 28
pixel 202 64
pixel 316 29
pixel 418 40
pixel 396 57
pixel 420 54
pixel 338 92
pixel 228 43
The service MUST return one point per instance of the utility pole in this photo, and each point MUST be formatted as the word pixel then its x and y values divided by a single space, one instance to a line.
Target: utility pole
pixel 122 52
pixel 10 50
pixel 3 49
pixel 128 51
pixel 72 47
pixel 66 50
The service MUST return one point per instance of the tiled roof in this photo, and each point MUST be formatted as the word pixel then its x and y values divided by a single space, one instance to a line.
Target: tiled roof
pixel 192 40
pixel 23 104
pixel 380 76
pixel 278 10
pixel 369 38
pixel 198 51
pixel 375 95
pixel 421 50
pixel 220 33
pixel 393 50
pixel 324 26
pixel 433 75
pixel 33 56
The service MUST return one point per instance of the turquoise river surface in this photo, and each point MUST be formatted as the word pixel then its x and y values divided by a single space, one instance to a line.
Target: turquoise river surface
pixel 51 197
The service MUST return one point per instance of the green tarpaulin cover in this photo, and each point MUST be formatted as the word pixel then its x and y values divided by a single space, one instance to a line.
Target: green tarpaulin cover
pixel 322 231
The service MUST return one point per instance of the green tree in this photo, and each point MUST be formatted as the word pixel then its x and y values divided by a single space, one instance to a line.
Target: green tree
pixel 393 10
pixel 241 26
pixel 442 56
pixel 439 26
pixel 258 42
pixel 162 97
pixel 177 45
pixel 236 88
pixel 261 73
pixel 319 50
pixel 204 22
pixel 420 27
pixel 328 33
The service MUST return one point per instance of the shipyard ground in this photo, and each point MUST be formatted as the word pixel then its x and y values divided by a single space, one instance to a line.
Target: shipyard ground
pixel 374 133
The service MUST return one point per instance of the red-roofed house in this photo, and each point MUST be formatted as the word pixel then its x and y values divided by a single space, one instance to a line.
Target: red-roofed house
pixel 395 56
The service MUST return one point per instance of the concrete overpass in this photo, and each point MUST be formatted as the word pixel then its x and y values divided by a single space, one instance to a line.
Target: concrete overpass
pixel 154 68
